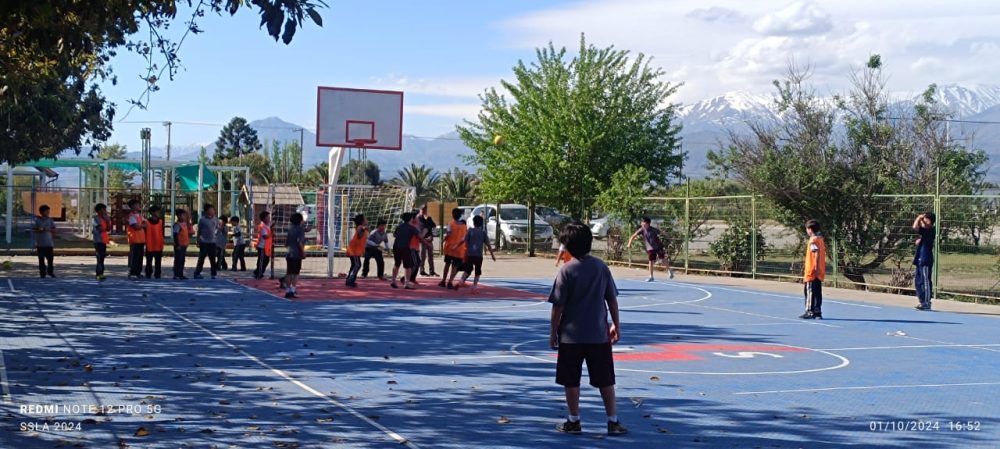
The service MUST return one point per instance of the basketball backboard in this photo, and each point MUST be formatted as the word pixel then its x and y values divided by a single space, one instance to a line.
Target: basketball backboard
pixel 359 118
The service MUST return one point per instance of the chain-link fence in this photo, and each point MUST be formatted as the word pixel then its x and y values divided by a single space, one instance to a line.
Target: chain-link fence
pixel 748 236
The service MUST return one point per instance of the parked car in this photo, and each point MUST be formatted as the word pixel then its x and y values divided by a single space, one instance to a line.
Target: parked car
pixel 512 224
pixel 599 227
pixel 552 216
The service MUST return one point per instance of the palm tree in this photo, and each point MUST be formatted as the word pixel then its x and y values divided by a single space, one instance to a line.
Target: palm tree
pixel 458 185
pixel 317 175
pixel 421 177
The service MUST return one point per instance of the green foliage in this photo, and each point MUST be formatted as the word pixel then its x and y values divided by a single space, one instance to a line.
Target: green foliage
pixel 55 55
pixel 623 200
pixel 236 139
pixel 422 178
pixel 317 175
pixel 809 170
pixel 568 126
pixel 735 246
pixel 360 172
pixel 458 185
pixel 118 178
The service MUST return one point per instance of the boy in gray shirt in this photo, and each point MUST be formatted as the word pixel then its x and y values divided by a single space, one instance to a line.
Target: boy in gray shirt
pixel 208 226
pixel 44 229
pixel 475 240
pixel 582 296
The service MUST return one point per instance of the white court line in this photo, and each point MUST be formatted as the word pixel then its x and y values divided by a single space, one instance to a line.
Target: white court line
pixel 708 295
pixel 395 436
pixel 11 284
pixel 866 348
pixel 947 343
pixel 814 322
pixel 781 296
pixel 3 379
pixel 873 387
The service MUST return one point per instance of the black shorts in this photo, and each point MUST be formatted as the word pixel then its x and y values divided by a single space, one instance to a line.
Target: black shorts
pixel 656 254
pixel 293 266
pixel 451 260
pixel 600 364
pixel 472 262
pixel 403 256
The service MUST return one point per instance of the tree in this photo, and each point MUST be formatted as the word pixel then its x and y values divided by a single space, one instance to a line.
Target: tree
pixel 236 139
pixel 56 54
pixel 261 171
pixel 623 200
pixel 118 178
pixel 422 178
pixel 568 126
pixel 360 172
pixel 317 175
pixel 458 185
pixel 808 168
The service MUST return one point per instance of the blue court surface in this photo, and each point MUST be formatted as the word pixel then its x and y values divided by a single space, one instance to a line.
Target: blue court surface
pixel 217 364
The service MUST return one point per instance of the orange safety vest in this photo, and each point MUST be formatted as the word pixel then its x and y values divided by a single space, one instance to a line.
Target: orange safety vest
pixel 154 236
pixel 268 239
pixel 105 228
pixel 454 242
pixel 356 247
pixel 184 236
pixel 811 263
pixel 135 236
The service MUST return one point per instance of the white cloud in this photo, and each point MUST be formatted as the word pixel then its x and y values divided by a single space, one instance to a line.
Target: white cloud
pixel 802 18
pixel 452 110
pixel 444 87
pixel 716 14
pixel 707 48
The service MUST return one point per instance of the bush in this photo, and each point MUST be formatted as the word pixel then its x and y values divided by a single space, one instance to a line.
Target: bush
pixel 734 248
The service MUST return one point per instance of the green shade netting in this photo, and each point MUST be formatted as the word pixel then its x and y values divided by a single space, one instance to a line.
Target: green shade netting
pixel 187 174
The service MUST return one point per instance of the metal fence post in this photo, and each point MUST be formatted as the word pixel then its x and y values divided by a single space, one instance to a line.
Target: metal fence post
pixel 937 232
pixel 753 236
pixel 836 258
pixel 687 225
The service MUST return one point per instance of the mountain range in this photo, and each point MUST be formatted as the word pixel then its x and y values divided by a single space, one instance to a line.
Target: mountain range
pixel 705 125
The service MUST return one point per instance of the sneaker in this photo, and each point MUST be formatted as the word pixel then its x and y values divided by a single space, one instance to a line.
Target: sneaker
pixel 393 285
pixel 922 307
pixel 423 273
pixel 409 287
pixel 573 427
pixel 616 428
pixel 441 284
pixel 818 316
pixel 807 316
pixel 451 286
pixel 671 271
pixel 433 274
pixel 650 279
pixel 289 295
pixel 198 276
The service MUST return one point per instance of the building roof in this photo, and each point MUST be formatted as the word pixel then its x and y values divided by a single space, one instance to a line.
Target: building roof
pixel 283 195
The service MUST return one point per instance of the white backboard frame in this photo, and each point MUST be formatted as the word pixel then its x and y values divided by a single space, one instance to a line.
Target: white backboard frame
pixel 339 110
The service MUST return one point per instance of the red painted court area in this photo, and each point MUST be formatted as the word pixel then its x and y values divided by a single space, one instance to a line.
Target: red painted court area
pixel 375 290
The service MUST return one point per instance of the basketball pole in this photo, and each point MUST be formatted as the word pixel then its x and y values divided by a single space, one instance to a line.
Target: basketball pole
pixel 334 158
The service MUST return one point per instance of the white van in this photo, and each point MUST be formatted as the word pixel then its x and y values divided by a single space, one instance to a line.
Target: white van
pixel 513 224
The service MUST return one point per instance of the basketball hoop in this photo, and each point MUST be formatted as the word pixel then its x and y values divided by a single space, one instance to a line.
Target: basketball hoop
pixel 361 143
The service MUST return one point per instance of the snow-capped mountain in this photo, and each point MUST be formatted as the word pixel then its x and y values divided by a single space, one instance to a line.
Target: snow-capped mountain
pixel 730 109
pixel 964 101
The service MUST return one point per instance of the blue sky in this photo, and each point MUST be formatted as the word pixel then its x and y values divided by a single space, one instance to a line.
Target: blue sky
pixel 442 53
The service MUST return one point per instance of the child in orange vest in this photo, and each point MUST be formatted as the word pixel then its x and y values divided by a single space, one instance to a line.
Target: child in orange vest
pixel 154 243
pixel 356 249
pixel 101 228
pixel 814 272
pixel 136 231
pixel 454 248
pixel 263 242
pixel 182 238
